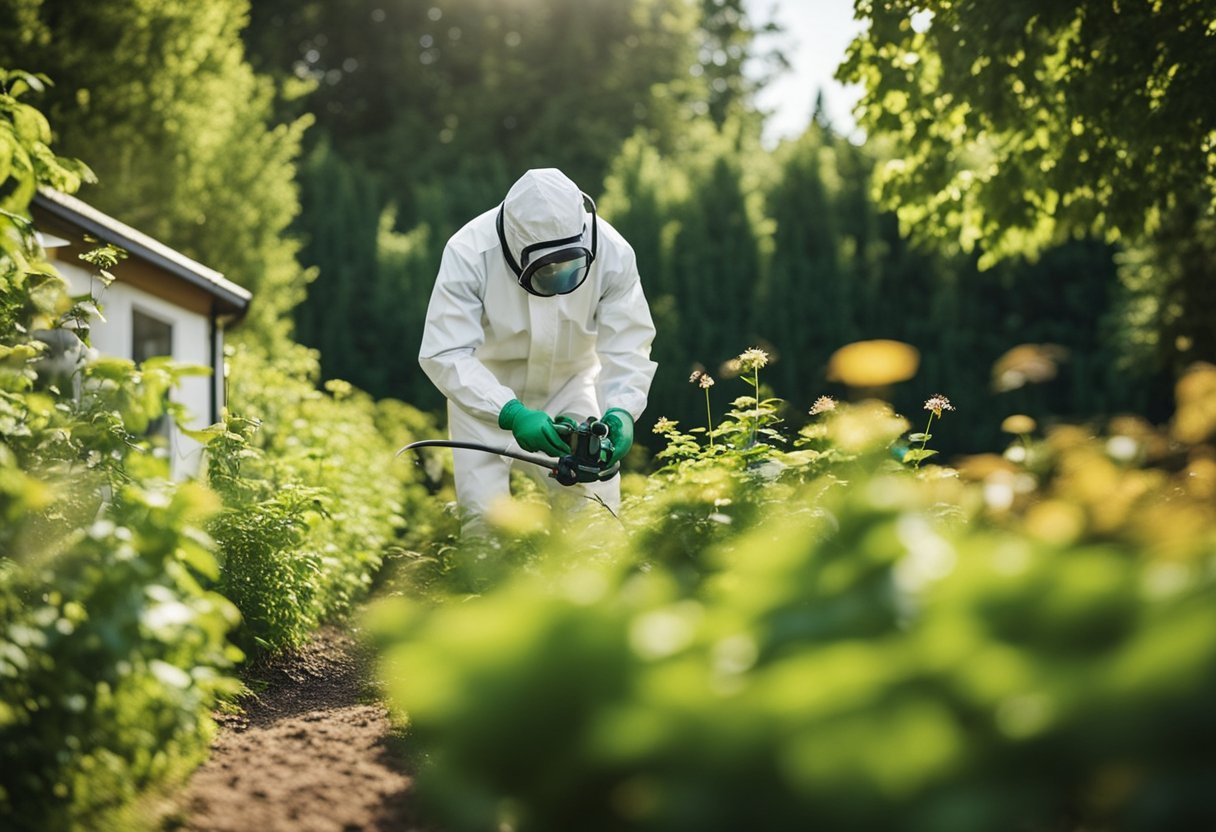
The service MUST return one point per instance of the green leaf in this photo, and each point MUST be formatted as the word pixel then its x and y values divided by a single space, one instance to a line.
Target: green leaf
pixel 108 367
pixel 919 454
pixel 6 154
pixel 205 435
pixel 920 437
pixel 199 558
pixel 182 370
pixel 31 125
pixel 20 352
pixel 22 80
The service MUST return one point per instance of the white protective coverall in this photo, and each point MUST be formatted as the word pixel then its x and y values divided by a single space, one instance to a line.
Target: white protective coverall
pixel 488 341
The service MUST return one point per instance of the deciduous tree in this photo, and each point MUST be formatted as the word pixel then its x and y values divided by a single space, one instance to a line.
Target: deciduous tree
pixel 1024 125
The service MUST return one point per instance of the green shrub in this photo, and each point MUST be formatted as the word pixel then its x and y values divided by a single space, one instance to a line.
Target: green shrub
pixel 312 494
pixel 111 657
pixel 111 652
pixel 270 570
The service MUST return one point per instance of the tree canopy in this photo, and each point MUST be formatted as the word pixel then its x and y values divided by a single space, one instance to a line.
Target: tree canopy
pixel 1015 128
pixel 1020 126
pixel 413 90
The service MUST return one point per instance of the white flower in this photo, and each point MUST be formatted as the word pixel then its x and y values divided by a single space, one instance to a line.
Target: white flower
pixel 753 359
pixel 937 403
pixel 664 425
pixel 823 404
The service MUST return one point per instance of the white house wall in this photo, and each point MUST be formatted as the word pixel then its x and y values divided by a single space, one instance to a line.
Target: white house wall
pixel 191 345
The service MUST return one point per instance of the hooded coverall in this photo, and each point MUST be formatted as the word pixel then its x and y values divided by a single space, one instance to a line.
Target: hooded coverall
pixel 487 341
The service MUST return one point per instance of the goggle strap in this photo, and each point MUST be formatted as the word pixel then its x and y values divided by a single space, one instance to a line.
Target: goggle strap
pixel 551 244
pixel 595 227
pixel 506 249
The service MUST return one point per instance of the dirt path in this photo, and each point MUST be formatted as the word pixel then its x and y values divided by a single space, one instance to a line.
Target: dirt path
pixel 312 754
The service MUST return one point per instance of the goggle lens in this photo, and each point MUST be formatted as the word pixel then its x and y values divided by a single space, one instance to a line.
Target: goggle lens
pixel 558 278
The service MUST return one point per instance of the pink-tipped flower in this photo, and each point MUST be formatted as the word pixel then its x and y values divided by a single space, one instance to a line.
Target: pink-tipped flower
pixel 937 403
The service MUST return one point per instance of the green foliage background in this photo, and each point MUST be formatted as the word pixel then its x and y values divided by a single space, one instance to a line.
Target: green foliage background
pixel 737 243
pixel 1023 129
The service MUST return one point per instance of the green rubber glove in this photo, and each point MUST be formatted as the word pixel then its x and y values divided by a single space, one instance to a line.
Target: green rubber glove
pixel 533 429
pixel 620 432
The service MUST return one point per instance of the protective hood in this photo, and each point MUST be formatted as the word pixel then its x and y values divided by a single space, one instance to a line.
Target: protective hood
pixel 543 205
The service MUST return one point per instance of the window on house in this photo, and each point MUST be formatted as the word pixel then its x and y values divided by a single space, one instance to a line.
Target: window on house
pixel 151 337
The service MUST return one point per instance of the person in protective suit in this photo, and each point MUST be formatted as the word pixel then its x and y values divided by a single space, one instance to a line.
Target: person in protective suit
pixel 537 312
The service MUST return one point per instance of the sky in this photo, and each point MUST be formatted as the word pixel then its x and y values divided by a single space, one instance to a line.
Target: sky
pixel 816 34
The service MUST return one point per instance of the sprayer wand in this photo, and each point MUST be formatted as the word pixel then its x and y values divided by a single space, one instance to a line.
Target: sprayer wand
pixel 589 448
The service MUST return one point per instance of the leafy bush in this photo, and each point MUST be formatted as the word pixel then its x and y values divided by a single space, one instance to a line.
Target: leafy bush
pixel 826 637
pixel 312 494
pixel 111 652
pixel 270 571
pixel 112 656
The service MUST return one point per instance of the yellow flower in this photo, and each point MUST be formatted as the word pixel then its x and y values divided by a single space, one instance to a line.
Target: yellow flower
pixel 1018 423
pixel 1195 393
pixel 874 363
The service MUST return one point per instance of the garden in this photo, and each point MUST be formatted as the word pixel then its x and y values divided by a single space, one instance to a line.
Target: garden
pixel 919 528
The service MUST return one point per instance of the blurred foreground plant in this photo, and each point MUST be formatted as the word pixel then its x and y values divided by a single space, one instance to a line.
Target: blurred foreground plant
pixel 112 653
pixel 847 643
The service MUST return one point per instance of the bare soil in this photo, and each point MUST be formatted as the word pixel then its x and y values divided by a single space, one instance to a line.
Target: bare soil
pixel 314 752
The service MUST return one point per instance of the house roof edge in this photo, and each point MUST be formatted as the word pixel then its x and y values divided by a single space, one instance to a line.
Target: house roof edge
pixel 104 227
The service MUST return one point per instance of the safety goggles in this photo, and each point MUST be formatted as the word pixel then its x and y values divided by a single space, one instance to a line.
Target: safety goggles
pixel 559 271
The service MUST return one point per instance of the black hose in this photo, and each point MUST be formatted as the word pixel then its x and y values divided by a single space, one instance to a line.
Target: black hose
pixel 551 464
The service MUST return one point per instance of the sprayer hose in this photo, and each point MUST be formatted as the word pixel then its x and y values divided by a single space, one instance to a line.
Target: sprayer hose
pixel 551 464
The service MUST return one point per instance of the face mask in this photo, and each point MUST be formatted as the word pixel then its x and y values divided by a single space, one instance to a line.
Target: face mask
pixel 563 267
